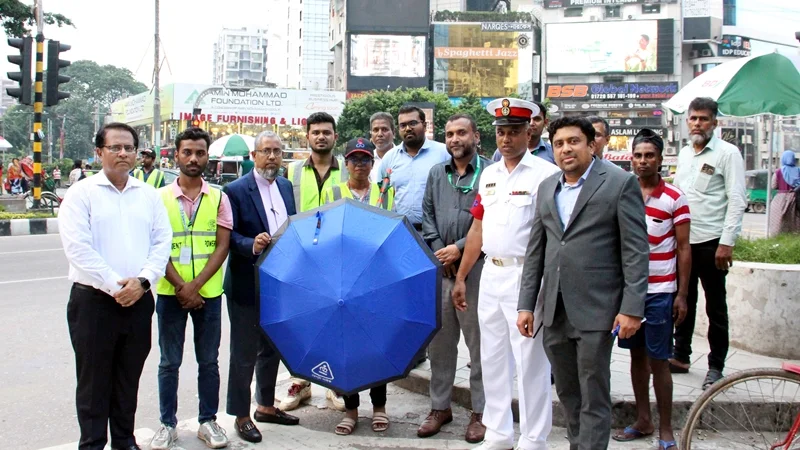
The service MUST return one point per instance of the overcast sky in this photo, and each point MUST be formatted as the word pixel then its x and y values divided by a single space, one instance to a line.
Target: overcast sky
pixel 120 32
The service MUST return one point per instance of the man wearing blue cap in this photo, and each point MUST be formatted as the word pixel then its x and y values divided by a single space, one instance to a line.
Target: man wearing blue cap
pixel 504 212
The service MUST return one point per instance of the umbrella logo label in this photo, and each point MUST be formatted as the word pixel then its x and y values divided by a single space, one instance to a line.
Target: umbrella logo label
pixel 323 371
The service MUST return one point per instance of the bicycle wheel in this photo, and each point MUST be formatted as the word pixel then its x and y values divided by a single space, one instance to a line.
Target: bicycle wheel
pixel 752 409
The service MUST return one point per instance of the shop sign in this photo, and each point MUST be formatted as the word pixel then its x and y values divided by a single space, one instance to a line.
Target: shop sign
pixel 633 131
pixel 737 46
pixel 614 91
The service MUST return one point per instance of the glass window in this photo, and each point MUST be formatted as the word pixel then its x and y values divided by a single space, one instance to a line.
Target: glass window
pixel 573 12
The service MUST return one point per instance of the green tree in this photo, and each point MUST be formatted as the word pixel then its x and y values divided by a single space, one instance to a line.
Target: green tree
pixel 18 18
pixel 354 121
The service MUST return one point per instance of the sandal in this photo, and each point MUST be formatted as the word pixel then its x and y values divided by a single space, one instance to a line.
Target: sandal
pixel 664 445
pixel 380 422
pixel 346 427
pixel 630 434
pixel 676 366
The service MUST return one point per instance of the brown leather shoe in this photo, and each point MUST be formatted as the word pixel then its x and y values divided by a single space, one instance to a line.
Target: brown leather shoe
pixel 476 429
pixel 433 423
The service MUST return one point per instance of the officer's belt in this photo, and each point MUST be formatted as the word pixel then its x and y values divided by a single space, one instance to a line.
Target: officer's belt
pixel 505 262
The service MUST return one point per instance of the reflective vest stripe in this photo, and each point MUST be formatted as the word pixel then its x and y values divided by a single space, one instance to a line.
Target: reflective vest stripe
pixel 201 238
pixel 155 178
pixel 304 184
pixel 341 190
pixel 337 192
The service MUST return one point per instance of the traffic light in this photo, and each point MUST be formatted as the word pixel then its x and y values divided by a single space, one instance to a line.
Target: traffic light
pixel 24 93
pixel 195 117
pixel 54 80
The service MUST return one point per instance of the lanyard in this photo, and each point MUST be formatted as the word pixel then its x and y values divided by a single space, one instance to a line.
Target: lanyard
pixel 466 189
pixel 188 227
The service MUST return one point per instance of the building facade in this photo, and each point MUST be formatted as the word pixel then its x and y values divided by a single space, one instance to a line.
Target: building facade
pixel 241 57
pixel 307 47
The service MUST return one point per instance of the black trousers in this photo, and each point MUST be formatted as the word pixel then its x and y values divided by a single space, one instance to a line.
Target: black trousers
pixel 705 270
pixel 111 344
pixel 250 351
pixel 376 394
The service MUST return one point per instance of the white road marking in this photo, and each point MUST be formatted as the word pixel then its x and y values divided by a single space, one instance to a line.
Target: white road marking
pixel 32 280
pixel 32 251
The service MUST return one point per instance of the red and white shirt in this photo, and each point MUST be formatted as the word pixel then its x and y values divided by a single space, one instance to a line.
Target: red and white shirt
pixel 665 208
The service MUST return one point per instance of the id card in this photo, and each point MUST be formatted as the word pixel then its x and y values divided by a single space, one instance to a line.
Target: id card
pixel 186 256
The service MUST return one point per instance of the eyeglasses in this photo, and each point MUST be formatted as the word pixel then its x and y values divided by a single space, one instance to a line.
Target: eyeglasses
pixel 359 161
pixel 267 152
pixel 410 124
pixel 119 148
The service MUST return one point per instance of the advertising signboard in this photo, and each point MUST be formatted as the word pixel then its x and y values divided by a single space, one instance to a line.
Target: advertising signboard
pixel 551 4
pixel 385 55
pixel 483 60
pixel 602 106
pixel 609 47
pixel 256 106
pixel 613 91
pixel 737 46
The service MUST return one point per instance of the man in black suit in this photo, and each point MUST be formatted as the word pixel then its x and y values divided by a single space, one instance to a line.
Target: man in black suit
pixel 261 201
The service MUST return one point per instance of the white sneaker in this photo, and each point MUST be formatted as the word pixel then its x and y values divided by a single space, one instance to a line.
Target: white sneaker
pixel 164 438
pixel 212 434
pixel 298 393
pixel 336 400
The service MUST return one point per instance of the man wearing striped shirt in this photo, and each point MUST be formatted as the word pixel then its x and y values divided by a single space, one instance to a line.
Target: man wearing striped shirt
pixel 668 220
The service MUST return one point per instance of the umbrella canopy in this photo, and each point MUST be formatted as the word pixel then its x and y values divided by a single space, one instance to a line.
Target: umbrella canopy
pixel 232 145
pixel 4 144
pixel 349 295
pixel 765 84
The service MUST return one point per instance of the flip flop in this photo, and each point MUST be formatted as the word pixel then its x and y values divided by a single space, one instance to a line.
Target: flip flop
pixel 346 427
pixel 664 445
pixel 630 434
pixel 380 422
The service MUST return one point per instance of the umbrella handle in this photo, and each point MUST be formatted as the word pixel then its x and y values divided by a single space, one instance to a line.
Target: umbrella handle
pixel 384 185
pixel 319 226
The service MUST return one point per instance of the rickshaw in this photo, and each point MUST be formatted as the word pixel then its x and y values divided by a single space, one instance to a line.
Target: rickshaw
pixel 756 184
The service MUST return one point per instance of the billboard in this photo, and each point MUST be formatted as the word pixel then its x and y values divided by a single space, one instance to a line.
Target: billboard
pixel 737 46
pixel 483 59
pixel 386 55
pixel 580 3
pixel 613 91
pixel 609 47
pixel 370 16
pixel 500 6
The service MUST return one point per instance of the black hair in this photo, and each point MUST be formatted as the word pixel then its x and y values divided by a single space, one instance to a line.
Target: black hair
pixel 77 164
pixel 320 117
pixel 381 115
pixel 581 122
pixel 598 119
pixel 704 104
pixel 542 110
pixel 472 123
pixel 405 109
pixel 100 138
pixel 648 136
pixel 646 38
pixel 192 134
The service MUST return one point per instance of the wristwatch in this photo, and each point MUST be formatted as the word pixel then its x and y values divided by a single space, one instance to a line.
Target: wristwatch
pixel 145 283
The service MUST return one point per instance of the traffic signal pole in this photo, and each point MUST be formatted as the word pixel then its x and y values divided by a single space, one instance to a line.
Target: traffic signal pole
pixel 38 107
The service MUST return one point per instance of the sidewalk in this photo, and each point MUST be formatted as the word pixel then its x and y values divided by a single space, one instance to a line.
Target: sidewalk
pixel 686 387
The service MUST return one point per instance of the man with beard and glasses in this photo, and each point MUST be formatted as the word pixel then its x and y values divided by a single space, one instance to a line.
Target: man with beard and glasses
pixel 381 132
pixel 407 165
pixel 320 171
pixel 201 222
pixel 711 174
pixel 449 195
pixel 536 145
pixel 504 211
pixel 261 202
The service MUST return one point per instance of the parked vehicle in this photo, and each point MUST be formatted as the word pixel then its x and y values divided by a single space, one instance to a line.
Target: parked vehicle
pixel 756 184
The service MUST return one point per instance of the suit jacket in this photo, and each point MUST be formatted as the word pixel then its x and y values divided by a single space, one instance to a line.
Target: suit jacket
pixel 600 263
pixel 249 220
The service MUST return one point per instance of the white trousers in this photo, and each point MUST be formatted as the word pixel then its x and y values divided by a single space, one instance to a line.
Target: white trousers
pixel 503 349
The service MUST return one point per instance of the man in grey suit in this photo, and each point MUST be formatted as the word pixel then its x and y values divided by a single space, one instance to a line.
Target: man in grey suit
pixel 589 230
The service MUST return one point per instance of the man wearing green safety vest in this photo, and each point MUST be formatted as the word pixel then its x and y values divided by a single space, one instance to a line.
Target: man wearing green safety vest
pixel 359 157
pixel 321 170
pixel 201 220
pixel 148 173
pixel 309 179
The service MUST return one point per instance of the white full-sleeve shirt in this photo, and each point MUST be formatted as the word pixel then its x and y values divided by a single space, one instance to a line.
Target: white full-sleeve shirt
pixel 109 235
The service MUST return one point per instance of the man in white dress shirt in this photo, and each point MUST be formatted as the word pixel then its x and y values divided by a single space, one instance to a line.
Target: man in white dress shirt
pixel 117 239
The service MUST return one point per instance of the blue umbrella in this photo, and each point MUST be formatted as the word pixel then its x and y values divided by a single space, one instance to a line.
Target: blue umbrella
pixel 349 295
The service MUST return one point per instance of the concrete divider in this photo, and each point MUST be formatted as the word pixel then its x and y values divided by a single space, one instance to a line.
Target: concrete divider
pixel 25 227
